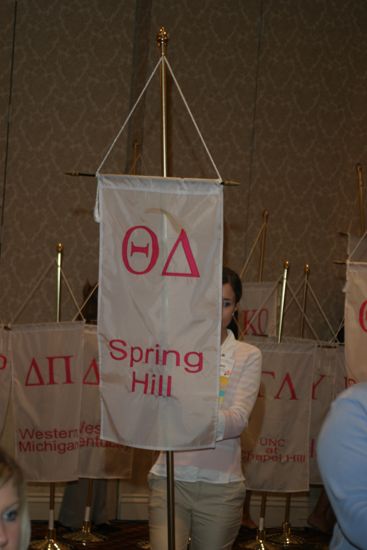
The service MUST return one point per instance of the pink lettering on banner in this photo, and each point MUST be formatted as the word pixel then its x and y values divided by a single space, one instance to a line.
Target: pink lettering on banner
pixel 286 382
pixel 135 249
pixel 157 384
pixel 255 325
pixel 316 384
pixel 3 362
pixel 150 250
pixel 192 361
pixel 58 364
pixel 91 377
pixel 152 384
pixel 363 316
pixel 184 241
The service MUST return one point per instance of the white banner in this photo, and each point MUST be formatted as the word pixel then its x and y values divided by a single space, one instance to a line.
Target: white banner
pixel 323 393
pixel 276 443
pixel 5 376
pixel 47 374
pixel 98 458
pixel 258 309
pixel 356 321
pixel 159 310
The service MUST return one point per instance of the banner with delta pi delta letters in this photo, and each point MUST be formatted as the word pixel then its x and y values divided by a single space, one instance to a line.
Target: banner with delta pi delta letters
pixel 159 310
pixel 97 458
pixel 276 443
pixel 47 373
pixel 356 321
pixel 5 376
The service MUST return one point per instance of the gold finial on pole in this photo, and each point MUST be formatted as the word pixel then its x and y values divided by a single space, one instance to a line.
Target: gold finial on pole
pixel 262 245
pixel 162 40
pixel 361 199
pixel 282 299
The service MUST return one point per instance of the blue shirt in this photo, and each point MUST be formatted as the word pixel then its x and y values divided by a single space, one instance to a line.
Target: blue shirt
pixel 342 459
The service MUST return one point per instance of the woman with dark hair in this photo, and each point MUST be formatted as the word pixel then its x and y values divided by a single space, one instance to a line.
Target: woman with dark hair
pixel 209 483
pixel 15 528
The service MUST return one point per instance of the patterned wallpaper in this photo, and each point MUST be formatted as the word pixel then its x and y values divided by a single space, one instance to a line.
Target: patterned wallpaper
pixel 277 87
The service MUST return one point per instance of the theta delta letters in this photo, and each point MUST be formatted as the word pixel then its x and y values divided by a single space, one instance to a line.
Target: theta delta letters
pixel 154 383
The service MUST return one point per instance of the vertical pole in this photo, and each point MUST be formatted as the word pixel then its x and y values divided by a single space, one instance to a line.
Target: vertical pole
pixel 262 245
pixel 162 40
pixel 304 300
pixel 59 250
pixel 282 300
pixel 361 199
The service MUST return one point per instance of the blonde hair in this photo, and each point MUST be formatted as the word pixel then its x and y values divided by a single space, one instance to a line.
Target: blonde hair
pixel 10 471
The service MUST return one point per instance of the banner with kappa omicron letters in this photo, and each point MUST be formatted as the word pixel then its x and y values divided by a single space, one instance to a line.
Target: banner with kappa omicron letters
pixel 47 373
pixel 159 310
pixel 258 309
pixel 5 376
pixel 276 443
pixel 97 458
pixel 355 324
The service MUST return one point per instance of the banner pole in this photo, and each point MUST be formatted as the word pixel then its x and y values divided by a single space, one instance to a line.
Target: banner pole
pixel 361 198
pixel 286 538
pixel 304 300
pixel 50 543
pixel 282 299
pixel 262 245
pixel 162 41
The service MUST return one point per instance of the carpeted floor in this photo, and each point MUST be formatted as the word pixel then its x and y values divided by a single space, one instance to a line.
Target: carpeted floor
pixel 130 535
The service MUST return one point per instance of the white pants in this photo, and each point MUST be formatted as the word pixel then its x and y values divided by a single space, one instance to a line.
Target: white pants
pixel 209 513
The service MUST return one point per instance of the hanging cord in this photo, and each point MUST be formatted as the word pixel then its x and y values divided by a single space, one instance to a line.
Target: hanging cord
pixel 40 280
pixel 245 266
pixel 80 309
pixel 128 117
pixel 320 308
pixel 193 120
pixel 64 278
pixel 350 257
pixel 290 302
pixel 8 127
pixel 334 339
pixel 309 324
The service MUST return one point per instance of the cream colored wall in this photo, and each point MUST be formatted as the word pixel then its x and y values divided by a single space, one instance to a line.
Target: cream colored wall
pixel 278 89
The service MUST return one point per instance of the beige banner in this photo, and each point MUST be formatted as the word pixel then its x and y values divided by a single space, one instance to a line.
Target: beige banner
pixel 47 363
pixel 276 443
pixel 356 321
pixel 159 310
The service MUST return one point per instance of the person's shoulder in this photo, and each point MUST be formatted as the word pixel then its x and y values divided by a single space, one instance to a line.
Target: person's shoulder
pixel 244 348
pixel 356 394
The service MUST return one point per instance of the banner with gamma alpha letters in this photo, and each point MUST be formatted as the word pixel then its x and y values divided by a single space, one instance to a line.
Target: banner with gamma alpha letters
pixel 276 442
pixel 159 310
pixel 47 362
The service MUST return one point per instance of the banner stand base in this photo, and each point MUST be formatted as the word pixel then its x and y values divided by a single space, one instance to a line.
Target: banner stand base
pixel 49 543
